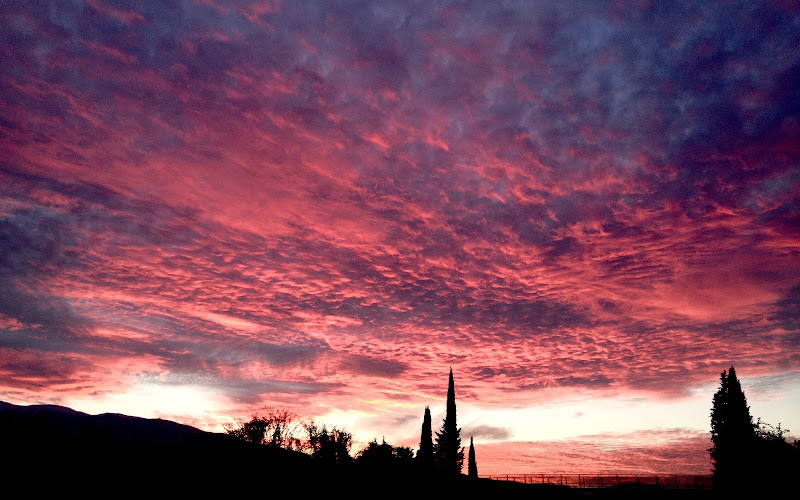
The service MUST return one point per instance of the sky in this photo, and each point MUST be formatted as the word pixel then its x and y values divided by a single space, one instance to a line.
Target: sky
pixel 588 210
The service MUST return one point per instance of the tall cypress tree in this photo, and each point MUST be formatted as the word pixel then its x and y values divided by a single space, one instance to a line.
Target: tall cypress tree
pixel 472 465
pixel 732 433
pixel 448 453
pixel 425 454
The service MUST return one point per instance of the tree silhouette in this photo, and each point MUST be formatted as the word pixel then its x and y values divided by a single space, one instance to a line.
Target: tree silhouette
pixel 732 433
pixel 776 459
pixel 385 457
pixel 425 453
pixel 472 466
pixel 404 456
pixel 329 445
pixel 747 456
pixel 279 429
pixel 448 453
pixel 376 455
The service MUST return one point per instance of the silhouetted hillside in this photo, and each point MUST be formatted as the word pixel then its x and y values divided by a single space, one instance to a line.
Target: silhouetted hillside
pixel 53 449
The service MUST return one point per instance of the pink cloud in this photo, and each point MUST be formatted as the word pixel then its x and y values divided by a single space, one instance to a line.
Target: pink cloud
pixel 299 206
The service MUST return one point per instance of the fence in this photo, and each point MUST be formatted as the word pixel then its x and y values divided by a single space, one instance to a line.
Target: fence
pixel 671 481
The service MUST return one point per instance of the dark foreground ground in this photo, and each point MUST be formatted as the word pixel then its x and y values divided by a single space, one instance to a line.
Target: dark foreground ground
pixel 55 450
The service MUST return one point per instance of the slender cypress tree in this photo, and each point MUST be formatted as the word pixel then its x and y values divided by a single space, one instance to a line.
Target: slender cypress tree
pixel 472 466
pixel 448 453
pixel 425 454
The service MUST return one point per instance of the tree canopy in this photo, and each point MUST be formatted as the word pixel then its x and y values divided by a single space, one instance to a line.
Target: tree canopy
pixel 329 444
pixel 383 456
pixel 280 429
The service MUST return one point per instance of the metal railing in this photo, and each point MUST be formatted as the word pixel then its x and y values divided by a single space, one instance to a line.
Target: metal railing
pixel 671 481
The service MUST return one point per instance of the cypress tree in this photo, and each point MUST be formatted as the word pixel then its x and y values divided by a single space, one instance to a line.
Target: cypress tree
pixel 448 453
pixel 425 454
pixel 472 466
pixel 732 433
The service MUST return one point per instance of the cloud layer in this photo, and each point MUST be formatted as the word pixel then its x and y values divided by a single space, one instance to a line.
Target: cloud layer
pixel 324 207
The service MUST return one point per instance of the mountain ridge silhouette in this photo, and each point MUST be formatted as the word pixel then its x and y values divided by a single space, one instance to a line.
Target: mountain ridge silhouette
pixel 51 445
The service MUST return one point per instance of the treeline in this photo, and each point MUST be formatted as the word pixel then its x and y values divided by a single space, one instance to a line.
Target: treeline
pixel 744 454
pixel 444 455
pixel 282 429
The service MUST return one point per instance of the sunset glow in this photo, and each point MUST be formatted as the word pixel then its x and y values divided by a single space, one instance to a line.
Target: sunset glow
pixel 588 210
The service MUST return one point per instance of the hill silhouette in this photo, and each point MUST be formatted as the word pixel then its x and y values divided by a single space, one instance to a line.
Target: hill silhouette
pixel 58 448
